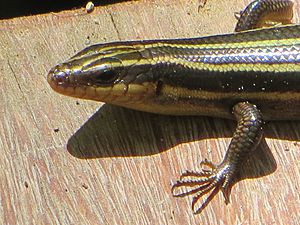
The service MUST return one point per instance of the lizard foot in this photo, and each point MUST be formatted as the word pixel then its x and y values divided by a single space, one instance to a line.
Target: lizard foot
pixel 207 180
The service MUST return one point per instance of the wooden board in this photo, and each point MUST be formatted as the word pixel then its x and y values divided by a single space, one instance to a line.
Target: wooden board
pixel 69 161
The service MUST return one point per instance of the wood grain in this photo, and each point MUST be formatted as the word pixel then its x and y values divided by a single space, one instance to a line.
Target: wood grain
pixel 69 161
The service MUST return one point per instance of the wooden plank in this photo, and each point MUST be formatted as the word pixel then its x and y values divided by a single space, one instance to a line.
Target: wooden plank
pixel 116 167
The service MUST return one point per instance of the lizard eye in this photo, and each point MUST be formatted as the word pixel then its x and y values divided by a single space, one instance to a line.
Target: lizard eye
pixel 105 77
pixel 102 72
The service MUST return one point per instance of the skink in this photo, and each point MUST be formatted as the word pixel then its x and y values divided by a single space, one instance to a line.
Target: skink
pixel 250 75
